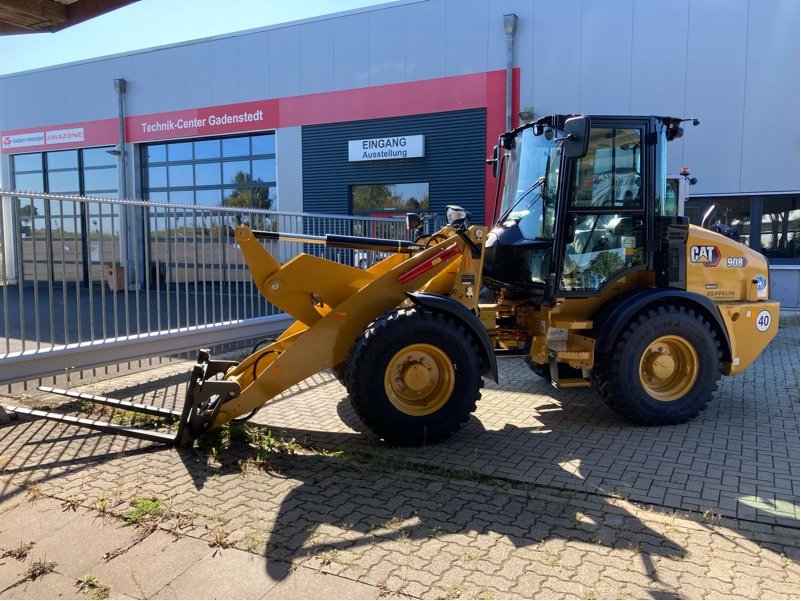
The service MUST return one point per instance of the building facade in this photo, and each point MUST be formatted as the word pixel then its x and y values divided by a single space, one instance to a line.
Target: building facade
pixel 394 108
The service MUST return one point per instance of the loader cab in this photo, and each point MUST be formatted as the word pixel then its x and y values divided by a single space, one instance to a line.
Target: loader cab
pixel 577 214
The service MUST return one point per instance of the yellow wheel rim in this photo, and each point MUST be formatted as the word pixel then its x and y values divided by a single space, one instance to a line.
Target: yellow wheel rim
pixel 669 368
pixel 419 379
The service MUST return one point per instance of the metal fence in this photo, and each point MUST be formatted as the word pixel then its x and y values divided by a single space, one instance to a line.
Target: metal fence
pixel 92 281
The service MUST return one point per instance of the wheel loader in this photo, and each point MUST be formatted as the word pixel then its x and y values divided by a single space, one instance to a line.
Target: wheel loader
pixel 588 274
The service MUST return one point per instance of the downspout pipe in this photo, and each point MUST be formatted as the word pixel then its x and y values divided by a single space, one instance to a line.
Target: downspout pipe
pixel 120 86
pixel 127 219
pixel 510 27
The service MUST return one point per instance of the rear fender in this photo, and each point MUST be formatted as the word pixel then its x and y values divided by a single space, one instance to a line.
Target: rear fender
pixel 448 306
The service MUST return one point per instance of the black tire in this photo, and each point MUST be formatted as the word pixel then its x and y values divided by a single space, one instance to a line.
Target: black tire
pixel 340 371
pixel 663 367
pixel 417 343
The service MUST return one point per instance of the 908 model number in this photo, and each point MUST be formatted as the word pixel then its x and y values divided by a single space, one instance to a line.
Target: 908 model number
pixel 736 262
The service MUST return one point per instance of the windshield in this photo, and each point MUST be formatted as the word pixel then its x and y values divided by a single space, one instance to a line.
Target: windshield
pixel 532 177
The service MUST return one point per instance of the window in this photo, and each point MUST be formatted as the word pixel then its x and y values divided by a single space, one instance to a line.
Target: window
pixel 238 171
pixel 775 233
pixel 377 199
pixel 779 231
pixel 609 174
pixel 86 172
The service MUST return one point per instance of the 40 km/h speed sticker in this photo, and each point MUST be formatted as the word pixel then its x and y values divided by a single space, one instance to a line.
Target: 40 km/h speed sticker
pixel 763 321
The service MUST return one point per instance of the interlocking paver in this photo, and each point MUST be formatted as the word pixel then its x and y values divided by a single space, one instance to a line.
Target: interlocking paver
pixel 392 521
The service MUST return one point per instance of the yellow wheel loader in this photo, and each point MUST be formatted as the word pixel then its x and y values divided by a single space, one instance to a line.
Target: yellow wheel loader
pixel 588 274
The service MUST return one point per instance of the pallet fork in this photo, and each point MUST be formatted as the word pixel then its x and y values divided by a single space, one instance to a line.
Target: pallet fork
pixel 204 395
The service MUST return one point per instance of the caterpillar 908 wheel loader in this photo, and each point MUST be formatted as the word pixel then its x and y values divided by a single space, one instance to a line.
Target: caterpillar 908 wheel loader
pixel 588 274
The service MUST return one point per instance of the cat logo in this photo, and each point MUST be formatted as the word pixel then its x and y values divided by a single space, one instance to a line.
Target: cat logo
pixel 709 256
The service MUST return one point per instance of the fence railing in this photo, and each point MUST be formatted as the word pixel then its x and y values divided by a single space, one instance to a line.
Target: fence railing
pixel 91 281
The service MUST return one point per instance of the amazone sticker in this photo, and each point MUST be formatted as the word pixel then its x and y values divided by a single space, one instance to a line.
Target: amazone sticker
pixel 708 256
pixel 761 286
pixel 763 321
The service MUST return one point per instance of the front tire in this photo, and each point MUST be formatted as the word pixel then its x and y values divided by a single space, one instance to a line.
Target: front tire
pixel 414 376
pixel 663 367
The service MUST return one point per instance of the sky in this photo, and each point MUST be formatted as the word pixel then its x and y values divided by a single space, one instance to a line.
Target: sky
pixel 149 23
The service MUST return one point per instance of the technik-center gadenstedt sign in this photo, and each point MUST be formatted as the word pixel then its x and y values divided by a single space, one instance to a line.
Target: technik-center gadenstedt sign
pixel 382 149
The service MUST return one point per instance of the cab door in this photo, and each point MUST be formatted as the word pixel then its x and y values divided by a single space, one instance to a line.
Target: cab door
pixel 604 208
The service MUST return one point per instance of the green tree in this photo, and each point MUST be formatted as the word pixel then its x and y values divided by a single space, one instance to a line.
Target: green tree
pixel 372 198
pixel 248 198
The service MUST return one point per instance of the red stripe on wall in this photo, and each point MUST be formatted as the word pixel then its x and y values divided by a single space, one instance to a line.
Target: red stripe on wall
pixel 412 98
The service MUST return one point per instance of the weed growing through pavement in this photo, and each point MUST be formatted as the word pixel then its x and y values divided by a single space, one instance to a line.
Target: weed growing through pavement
pixel 20 553
pixel 219 540
pixel 454 591
pixel 72 503
pixel 89 585
pixel 33 493
pixel 326 557
pixel 39 568
pixel 257 437
pixel 36 570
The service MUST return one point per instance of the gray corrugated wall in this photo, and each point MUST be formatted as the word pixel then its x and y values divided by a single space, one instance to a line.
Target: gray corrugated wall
pixel 453 166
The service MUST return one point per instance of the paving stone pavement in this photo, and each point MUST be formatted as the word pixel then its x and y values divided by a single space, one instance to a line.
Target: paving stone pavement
pixel 543 494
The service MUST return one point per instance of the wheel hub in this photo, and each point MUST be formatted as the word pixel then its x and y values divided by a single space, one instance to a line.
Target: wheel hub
pixel 669 368
pixel 419 379
pixel 415 376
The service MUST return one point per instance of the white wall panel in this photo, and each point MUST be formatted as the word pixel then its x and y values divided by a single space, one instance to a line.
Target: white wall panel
pixel 35 100
pixel 466 36
pixel 284 59
pixel 555 58
pixel 144 93
pixel 317 56
pixel 351 59
pixel 169 69
pixel 658 66
pixel 606 39
pixel 254 67
pixel 425 42
pixel 223 65
pixel 289 168
pixel 387 39
pixel 716 50
pixel 770 122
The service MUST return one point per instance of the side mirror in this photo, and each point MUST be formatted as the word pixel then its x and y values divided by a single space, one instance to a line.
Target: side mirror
pixel 494 161
pixel 456 216
pixel 577 137
pixel 413 221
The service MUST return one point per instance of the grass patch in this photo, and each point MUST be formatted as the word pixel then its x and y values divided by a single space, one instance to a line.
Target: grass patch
pixel 142 510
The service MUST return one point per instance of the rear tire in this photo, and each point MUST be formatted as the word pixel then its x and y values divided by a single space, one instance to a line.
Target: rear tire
pixel 414 376
pixel 663 367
